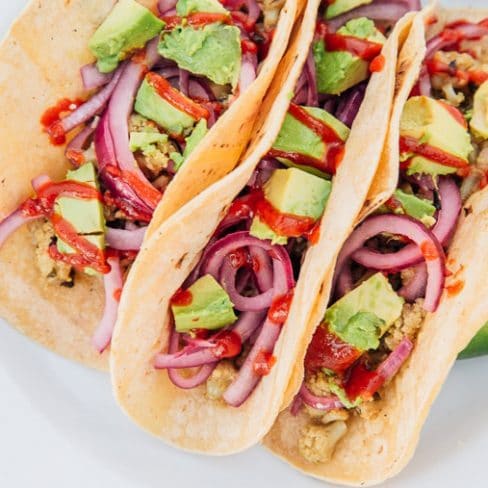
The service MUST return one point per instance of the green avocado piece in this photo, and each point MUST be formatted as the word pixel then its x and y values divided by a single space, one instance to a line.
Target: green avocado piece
pixel 127 28
pixel 213 51
pixel 86 216
pixel 339 70
pixel 192 142
pixel 479 120
pixel 362 316
pixel 478 345
pixel 418 208
pixel 297 137
pixel 428 121
pixel 210 307
pixel 186 7
pixel 154 107
pixel 295 192
pixel 338 7
pixel 146 141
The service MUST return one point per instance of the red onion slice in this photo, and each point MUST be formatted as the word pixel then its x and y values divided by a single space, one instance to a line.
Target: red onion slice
pixel 11 223
pixel 410 255
pixel 350 103
pixel 92 78
pixel 323 403
pixel 93 106
pixel 312 93
pixel 248 71
pixel 415 287
pixel 392 364
pixel 187 383
pixel 113 286
pixel 401 225
pixel 164 6
pixel 125 240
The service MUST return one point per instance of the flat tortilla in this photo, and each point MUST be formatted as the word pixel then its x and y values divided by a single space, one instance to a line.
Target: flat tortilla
pixel 379 447
pixel 39 63
pixel 187 419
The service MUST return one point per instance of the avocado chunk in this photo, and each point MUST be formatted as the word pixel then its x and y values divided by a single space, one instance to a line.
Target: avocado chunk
pixel 338 7
pixel 128 27
pixel 478 345
pixel 86 216
pixel 154 107
pixel 479 121
pixel 213 51
pixel 295 192
pixel 362 316
pixel 187 7
pixel 418 208
pixel 296 137
pixel 146 141
pixel 192 142
pixel 210 307
pixel 430 122
pixel 339 70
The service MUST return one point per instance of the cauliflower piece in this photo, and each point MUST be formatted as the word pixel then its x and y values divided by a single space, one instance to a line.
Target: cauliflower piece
pixel 318 384
pixel 271 12
pixel 407 324
pixel 221 378
pixel 317 442
pixel 55 272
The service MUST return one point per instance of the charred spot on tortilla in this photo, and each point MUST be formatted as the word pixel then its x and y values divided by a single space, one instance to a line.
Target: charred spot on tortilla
pixel 180 261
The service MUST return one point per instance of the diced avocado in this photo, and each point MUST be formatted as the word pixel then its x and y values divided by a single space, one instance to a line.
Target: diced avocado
pixel 418 208
pixel 295 192
pixel 154 107
pixel 127 28
pixel 86 216
pixel 192 142
pixel 339 70
pixel 478 345
pixel 210 307
pixel 362 316
pixel 186 7
pixel 338 7
pixel 479 120
pixel 296 137
pixel 429 121
pixel 145 141
pixel 213 51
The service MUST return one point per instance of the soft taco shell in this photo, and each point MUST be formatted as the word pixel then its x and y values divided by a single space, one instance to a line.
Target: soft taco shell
pixel 377 448
pixel 39 64
pixel 186 418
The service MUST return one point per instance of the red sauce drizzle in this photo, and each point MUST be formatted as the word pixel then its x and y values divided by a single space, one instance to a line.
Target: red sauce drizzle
pixel 228 345
pixel 409 144
pixel 284 224
pixel 117 294
pixel 429 251
pixel 378 64
pixel 326 350
pixel 455 288
pixel 456 114
pixel 182 298
pixel 176 98
pixel 434 66
pixel 51 119
pixel 87 254
pixel 248 46
pixel 362 48
pixel 363 383
pixel 335 145
pixel 278 312
pixel 263 363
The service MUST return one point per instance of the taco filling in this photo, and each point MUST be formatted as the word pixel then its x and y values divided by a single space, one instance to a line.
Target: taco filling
pixel 393 270
pixel 228 315
pixel 159 84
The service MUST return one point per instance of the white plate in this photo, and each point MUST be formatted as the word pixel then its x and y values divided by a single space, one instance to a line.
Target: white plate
pixel 59 426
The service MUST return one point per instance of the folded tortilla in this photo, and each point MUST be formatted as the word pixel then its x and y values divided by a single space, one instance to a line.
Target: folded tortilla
pixel 380 446
pixel 39 64
pixel 187 419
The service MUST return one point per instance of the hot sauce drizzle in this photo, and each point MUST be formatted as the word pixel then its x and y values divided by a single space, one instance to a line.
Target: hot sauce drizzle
pixel 182 298
pixel 278 312
pixel 176 98
pixel 263 363
pixel 51 119
pixel 197 19
pixel 362 48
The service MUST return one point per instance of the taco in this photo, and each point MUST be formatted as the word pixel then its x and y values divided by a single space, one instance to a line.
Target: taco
pixel 165 111
pixel 216 303
pixel 404 295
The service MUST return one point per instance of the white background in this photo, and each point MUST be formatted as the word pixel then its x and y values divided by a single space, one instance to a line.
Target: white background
pixel 59 426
